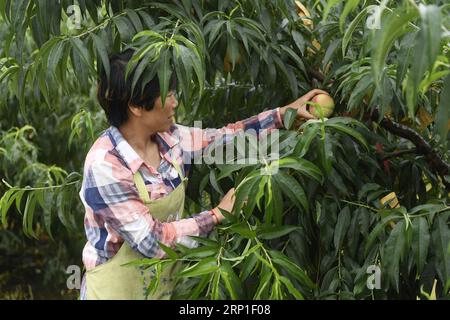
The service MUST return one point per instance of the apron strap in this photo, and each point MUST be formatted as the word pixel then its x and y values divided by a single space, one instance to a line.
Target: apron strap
pixel 140 184
pixel 178 168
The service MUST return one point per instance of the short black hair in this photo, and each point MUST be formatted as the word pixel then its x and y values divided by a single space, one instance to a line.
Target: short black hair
pixel 115 95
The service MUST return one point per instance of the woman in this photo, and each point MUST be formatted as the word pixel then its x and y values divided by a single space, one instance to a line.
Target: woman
pixel 134 179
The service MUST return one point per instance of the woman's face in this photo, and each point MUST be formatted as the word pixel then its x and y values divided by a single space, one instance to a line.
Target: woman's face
pixel 161 118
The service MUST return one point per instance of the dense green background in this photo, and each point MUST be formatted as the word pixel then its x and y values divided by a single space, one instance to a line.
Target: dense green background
pixel 311 230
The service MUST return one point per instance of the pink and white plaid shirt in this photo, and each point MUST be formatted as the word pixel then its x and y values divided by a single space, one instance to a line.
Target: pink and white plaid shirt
pixel 114 211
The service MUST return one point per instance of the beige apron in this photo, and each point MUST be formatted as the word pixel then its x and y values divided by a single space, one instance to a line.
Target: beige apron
pixel 113 281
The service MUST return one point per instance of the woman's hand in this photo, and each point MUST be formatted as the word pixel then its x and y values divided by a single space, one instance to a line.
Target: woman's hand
pixel 226 204
pixel 300 104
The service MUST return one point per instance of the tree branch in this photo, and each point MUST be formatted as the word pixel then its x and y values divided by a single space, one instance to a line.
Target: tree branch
pixel 319 76
pixel 435 161
pixel 398 153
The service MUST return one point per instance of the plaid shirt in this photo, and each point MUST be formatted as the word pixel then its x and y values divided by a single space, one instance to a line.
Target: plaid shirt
pixel 114 211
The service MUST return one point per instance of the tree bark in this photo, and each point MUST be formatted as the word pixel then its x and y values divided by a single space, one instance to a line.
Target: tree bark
pixel 437 164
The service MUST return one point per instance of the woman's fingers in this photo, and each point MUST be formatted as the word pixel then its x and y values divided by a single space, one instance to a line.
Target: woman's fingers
pixel 302 110
pixel 305 114
pixel 227 201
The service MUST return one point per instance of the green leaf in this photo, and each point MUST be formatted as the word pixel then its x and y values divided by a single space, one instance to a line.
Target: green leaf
pixel 331 51
pixel 214 184
pixel 244 230
pixel 431 31
pixel 440 242
pixel 169 251
pixel 164 74
pixel 263 284
pixel 404 56
pixel 366 188
pixel 124 27
pixel 6 202
pixel 350 5
pixel 5 9
pixel 429 208
pixel 244 189
pixel 46 205
pixel 393 253
pixel 148 33
pixel 92 8
pixel 352 27
pixel 61 204
pixel 442 117
pixel 18 196
pixel 288 284
pixel 102 52
pixel 303 166
pixel 362 88
pixel 196 60
pixel 227 169
pixel 200 287
pixel 55 54
pixel 326 152
pixel 292 189
pixel 274 205
pixel 295 57
pixel 392 27
pixel 216 27
pixel 289 117
pixel 144 67
pixel 306 138
pixel 342 225
pixel 202 252
pixel 215 287
pixel 82 51
pixel 378 229
pixel 420 242
pixel 287 72
pixel 426 50
pixel 248 266
pixel 147 19
pixel 134 18
pixel 329 4
pixel 232 46
pixel 299 41
pixel 261 190
pixel 349 131
pixel 203 267
pixel 9 71
pixel 270 232
pixel 345 121
pixel 28 215
pixel 205 241
pixel 183 67
pixel 231 281
pixel 294 270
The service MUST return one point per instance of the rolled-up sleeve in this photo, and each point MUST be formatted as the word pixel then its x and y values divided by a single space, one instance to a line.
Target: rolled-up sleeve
pixel 194 139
